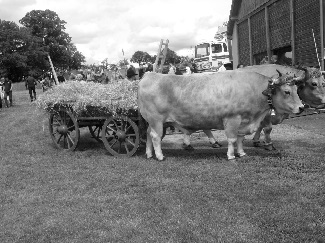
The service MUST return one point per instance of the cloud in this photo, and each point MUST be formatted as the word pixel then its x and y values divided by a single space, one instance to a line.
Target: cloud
pixel 101 29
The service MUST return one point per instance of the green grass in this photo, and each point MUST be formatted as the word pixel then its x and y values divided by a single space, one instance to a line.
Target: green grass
pixel 89 196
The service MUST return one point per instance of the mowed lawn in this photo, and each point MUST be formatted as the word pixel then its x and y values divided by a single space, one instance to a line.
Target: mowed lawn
pixel 47 195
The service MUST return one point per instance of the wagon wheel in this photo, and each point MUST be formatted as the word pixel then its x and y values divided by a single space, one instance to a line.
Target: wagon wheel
pixel 96 132
pixel 64 130
pixel 120 136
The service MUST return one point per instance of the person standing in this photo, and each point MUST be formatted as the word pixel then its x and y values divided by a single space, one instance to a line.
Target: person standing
pixel 61 78
pixel 187 70
pixel 7 88
pixel 141 71
pixel 131 73
pixel 221 67
pixel 172 69
pixel 31 84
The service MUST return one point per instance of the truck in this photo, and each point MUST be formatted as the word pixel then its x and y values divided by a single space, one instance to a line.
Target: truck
pixel 209 53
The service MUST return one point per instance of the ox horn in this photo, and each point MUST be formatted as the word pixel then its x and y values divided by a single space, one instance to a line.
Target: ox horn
pixel 280 74
pixel 297 79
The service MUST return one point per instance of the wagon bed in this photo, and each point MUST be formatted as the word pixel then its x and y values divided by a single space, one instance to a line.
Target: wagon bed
pixel 120 132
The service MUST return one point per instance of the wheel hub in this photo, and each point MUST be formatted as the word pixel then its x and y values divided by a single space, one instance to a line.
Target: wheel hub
pixel 63 129
pixel 120 135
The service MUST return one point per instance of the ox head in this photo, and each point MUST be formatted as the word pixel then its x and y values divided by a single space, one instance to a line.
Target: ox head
pixel 312 90
pixel 283 93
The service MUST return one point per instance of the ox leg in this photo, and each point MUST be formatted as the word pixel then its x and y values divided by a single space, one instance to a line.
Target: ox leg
pixel 156 134
pixel 268 142
pixel 149 146
pixel 231 129
pixel 212 140
pixel 231 148
pixel 240 149
pixel 187 142
pixel 256 138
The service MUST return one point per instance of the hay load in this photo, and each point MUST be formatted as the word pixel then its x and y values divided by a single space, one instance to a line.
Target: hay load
pixel 91 99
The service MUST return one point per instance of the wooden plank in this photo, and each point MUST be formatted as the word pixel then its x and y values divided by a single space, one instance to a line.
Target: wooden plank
pixel 267 33
pixel 322 44
pixel 250 42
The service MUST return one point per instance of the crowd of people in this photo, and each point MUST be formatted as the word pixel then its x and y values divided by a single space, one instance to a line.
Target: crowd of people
pixel 186 67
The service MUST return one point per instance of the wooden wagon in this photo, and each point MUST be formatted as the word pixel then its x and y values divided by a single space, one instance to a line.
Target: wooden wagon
pixel 121 133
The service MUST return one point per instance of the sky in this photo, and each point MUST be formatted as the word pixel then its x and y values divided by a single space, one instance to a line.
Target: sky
pixel 100 29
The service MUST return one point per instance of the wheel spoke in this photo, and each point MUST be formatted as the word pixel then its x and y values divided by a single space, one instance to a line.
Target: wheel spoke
pixel 119 147
pixel 70 139
pixel 71 127
pixel 59 138
pixel 57 118
pixel 129 142
pixel 111 129
pixel 113 143
pixel 127 149
pixel 131 135
pixel 115 124
pixel 128 128
pixel 110 136
pixel 66 137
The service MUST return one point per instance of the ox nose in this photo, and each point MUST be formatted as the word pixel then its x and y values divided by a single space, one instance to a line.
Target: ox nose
pixel 301 109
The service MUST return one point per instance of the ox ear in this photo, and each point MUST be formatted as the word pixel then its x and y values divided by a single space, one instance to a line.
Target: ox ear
pixel 270 88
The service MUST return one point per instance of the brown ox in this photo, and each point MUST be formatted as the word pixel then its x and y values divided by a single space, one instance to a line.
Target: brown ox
pixel 230 101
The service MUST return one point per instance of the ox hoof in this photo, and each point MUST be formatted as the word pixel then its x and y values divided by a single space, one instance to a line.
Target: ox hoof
pixel 187 147
pixel 242 155
pixel 161 158
pixel 257 144
pixel 231 157
pixel 216 145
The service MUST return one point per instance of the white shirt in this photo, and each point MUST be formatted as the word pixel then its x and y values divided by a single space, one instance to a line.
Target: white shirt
pixel 222 69
pixel 171 70
pixel 188 71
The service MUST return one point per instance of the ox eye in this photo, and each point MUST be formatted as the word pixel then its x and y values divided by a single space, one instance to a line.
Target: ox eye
pixel 287 92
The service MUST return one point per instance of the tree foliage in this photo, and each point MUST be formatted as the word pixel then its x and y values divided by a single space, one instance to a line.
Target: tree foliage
pixel 24 50
pixel 140 56
pixel 172 57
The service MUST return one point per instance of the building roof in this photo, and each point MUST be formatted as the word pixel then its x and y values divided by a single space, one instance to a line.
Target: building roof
pixel 235 6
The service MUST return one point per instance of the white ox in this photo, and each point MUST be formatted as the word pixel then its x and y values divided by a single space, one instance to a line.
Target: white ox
pixel 230 101
pixel 311 91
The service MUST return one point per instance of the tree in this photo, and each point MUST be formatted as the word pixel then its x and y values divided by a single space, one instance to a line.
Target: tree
pixel 105 63
pixel 13 39
pixel 172 57
pixel 49 28
pixel 140 56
